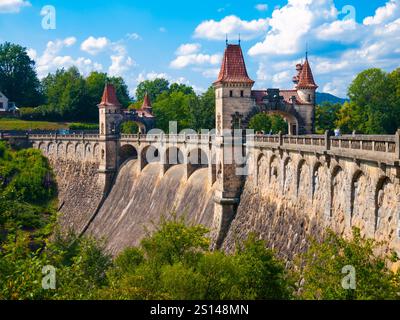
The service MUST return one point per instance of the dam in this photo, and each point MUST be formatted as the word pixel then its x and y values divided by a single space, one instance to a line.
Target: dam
pixel 283 188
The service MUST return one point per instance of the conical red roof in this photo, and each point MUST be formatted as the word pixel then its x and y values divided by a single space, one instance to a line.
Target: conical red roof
pixel 306 78
pixel 146 102
pixel 233 67
pixel 109 96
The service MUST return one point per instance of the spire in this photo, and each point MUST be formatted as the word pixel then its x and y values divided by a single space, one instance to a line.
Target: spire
pixel 109 97
pixel 233 67
pixel 146 102
pixel 306 78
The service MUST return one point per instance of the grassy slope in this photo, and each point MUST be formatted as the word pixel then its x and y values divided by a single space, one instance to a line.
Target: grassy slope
pixel 16 124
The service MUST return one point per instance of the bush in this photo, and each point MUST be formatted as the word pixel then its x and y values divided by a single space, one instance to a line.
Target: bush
pixel 322 270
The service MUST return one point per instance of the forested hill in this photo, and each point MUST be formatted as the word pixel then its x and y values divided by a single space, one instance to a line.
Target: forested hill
pixel 327 97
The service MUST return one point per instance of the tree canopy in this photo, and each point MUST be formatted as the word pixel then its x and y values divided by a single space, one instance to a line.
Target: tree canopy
pixel 18 78
pixel 268 123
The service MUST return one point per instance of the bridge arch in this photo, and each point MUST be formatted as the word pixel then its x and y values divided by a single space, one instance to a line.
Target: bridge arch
pixel 382 192
pixel 291 120
pixel 354 186
pixel 172 156
pixel 126 152
pixel 149 154
pixel 315 178
pixel 196 159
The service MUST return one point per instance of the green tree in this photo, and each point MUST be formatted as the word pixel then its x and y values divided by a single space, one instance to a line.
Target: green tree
pixel 18 78
pixel 260 122
pixel 202 111
pixel 326 116
pixel 173 106
pixel 66 95
pixel 129 127
pixel 372 108
pixel 323 263
pixel 278 124
pixel 268 123
pixel 153 87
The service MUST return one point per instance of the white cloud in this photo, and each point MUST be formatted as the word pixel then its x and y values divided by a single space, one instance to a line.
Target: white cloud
pixel 134 36
pixel 195 59
pixel 51 60
pixel 121 62
pixel 345 31
pixel 382 14
pixel 94 46
pixel 13 6
pixel 262 7
pixel 291 24
pixel 210 73
pixel 231 25
pixel 188 48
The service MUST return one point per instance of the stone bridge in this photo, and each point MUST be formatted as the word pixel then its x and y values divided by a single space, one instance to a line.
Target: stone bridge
pixel 346 181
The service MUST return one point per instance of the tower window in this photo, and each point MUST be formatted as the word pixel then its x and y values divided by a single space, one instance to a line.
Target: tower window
pixel 231 93
pixel 309 98
pixel 242 93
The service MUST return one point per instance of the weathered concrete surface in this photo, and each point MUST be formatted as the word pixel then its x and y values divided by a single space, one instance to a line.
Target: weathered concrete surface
pixel 79 192
pixel 138 199
pixel 293 196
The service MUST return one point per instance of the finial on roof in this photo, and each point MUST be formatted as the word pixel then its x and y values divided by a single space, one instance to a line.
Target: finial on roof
pixel 306 50
pixel 239 39
pixel 226 40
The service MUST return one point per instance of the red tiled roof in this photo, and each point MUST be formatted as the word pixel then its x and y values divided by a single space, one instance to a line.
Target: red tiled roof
pixel 146 101
pixel 109 96
pixel 233 67
pixel 306 78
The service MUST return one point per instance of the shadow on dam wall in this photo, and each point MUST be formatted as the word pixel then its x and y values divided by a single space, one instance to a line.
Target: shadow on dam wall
pixel 138 200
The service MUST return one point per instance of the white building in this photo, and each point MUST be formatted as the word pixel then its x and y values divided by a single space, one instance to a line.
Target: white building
pixel 3 102
pixel 6 105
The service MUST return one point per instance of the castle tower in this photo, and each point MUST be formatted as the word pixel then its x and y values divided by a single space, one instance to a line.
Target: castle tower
pixel 232 90
pixel 306 90
pixel 306 86
pixel 233 103
pixel 110 117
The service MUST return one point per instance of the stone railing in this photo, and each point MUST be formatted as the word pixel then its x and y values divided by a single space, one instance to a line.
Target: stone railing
pixel 63 136
pixel 384 148
pixel 177 138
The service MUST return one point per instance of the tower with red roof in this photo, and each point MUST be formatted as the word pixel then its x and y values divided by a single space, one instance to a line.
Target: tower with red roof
pixel 110 117
pixel 232 89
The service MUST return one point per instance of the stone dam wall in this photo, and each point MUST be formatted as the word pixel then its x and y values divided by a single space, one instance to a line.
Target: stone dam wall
pixel 296 187
pixel 138 199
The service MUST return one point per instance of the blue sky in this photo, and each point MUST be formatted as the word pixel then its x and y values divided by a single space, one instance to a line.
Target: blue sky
pixel 183 41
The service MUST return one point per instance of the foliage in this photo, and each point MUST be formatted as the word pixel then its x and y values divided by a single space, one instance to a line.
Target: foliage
pixel 326 116
pixel 129 127
pixel 18 79
pixel 152 87
pixel 322 268
pixel 202 111
pixel 27 188
pixel 374 103
pixel 268 123
pixel 175 263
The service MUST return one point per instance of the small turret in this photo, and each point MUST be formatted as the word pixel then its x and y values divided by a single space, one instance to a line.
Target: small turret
pixel 306 85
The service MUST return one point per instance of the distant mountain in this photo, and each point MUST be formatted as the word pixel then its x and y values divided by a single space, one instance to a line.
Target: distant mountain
pixel 327 97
